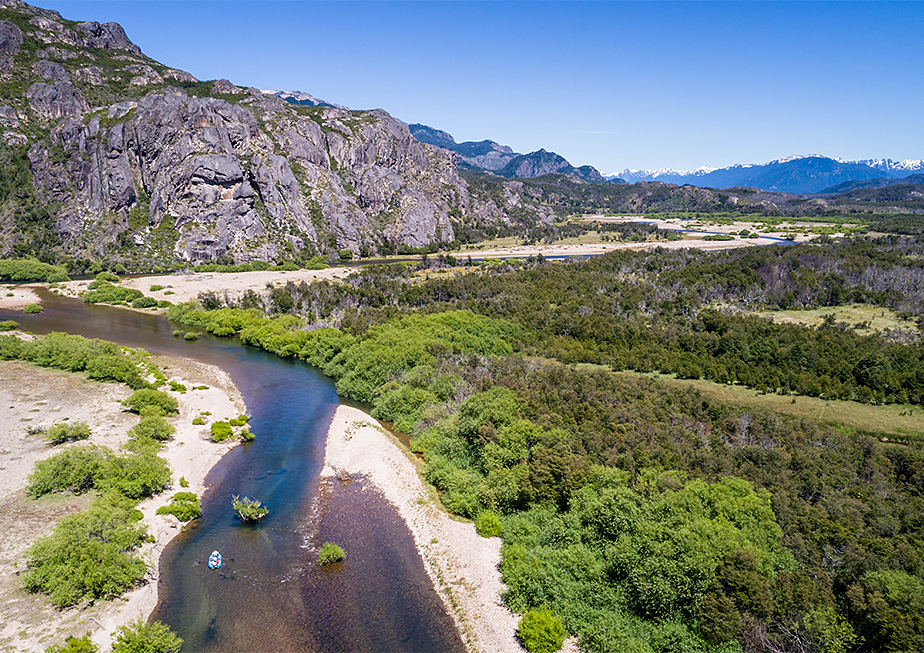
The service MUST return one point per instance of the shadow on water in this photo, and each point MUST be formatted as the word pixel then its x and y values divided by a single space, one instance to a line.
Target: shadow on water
pixel 270 594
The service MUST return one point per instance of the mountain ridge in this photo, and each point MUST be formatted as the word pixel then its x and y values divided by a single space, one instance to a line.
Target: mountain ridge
pixel 501 159
pixel 793 174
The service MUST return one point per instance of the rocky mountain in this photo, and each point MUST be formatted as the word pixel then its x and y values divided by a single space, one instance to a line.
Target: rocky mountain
pixel 796 174
pixel 881 182
pixel 301 98
pixel 501 159
pixel 106 154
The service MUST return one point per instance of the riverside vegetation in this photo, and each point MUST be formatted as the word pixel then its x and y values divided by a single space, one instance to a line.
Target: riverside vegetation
pixel 645 516
pixel 92 555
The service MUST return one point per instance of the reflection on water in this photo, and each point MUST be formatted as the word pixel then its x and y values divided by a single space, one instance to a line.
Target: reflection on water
pixel 270 595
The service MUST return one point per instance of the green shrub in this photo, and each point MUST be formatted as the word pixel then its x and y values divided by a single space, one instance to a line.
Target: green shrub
pixel 330 553
pixel 247 435
pixel 118 368
pixel 149 397
pixel 488 524
pixel 104 292
pixel 141 637
pixel 198 421
pixel 30 270
pixel 221 431
pixel 136 475
pixel 144 302
pixel 177 333
pixel 155 287
pixel 75 645
pixel 176 386
pixel 61 433
pixel 240 420
pixel 90 555
pixel 346 255
pixel 541 631
pixel 184 506
pixel 191 336
pixel 108 276
pixel 250 510
pixel 32 308
pixel 74 470
pixel 9 325
pixel 154 427
pixel 164 303
pixel 184 482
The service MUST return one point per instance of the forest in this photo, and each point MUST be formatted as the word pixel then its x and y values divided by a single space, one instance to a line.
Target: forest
pixel 643 516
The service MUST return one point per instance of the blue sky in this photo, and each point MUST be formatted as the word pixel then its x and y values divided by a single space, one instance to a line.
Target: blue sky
pixel 610 84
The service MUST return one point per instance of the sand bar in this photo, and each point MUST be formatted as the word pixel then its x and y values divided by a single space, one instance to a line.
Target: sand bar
pixel 462 564
pixel 32 397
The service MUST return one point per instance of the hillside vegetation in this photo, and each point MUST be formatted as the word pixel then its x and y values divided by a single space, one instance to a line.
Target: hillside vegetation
pixel 647 516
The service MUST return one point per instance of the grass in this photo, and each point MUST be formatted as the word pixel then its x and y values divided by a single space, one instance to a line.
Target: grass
pixel 879 319
pixel 894 421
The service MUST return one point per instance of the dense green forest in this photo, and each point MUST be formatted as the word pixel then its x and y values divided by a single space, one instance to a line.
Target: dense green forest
pixel 646 517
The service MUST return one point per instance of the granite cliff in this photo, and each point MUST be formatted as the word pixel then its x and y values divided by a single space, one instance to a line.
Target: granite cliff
pixel 108 154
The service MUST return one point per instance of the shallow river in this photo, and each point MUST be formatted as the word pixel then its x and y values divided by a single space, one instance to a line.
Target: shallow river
pixel 270 595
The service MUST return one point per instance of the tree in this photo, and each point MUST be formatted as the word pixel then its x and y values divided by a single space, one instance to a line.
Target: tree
pixel 541 631
pixel 250 510
pixel 140 637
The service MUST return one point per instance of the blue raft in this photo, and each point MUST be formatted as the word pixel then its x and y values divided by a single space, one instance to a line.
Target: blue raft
pixel 215 560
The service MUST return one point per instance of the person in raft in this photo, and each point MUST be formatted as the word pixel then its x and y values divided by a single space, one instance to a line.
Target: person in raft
pixel 215 560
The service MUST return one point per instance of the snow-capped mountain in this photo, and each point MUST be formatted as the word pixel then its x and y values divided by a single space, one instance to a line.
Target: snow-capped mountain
pixel 301 98
pixel 792 174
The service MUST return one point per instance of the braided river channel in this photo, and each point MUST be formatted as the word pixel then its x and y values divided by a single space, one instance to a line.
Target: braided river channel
pixel 270 595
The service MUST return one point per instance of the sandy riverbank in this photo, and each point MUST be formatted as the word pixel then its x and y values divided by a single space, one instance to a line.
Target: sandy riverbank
pixel 462 564
pixel 179 288
pixel 15 297
pixel 32 398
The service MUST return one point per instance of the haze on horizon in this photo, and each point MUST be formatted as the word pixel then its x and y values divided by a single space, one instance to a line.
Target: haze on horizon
pixel 609 84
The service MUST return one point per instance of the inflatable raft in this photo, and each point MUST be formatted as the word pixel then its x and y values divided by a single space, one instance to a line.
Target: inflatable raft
pixel 215 560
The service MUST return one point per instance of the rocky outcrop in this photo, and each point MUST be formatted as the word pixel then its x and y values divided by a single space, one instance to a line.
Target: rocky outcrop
pixel 147 172
pixel 10 37
pixel 55 101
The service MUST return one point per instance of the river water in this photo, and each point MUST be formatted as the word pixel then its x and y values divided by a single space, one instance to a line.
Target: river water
pixel 270 595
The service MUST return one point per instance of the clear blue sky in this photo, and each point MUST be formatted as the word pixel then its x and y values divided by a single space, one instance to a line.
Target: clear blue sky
pixel 610 84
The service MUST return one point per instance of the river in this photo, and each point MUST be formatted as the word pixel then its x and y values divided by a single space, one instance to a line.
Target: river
pixel 270 595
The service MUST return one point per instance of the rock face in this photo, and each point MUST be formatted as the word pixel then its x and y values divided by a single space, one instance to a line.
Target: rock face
pixel 144 162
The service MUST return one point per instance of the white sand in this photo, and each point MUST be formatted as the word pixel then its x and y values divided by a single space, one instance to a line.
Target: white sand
pixel 462 564
pixel 179 288
pixel 14 296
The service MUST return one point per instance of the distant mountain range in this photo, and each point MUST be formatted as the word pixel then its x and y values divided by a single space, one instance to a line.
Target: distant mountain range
pixel 796 174
pixel 502 160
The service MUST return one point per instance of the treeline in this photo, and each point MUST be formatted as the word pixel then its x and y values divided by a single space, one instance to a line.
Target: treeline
pixel 646 518
pixel 682 312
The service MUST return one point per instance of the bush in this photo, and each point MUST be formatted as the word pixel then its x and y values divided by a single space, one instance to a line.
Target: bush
pixel 32 308
pixel 247 435
pixel 240 420
pixel 155 287
pixel 89 555
pixel 184 482
pixel 221 431
pixel 136 475
pixel 488 524
pixel 330 553
pixel 108 276
pixel 9 325
pixel 154 427
pixel 198 421
pixel 140 637
pixel 61 433
pixel 75 470
pixel 144 302
pixel 184 506
pixel 250 510
pixel 148 397
pixel 30 270
pixel 191 336
pixel 541 631
pixel 111 367
pixel 75 645
pixel 103 291
pixel 176 386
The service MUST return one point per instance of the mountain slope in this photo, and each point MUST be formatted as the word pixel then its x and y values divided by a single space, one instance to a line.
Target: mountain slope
pixel 501 159
pixel 106 154
pixel 799 174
